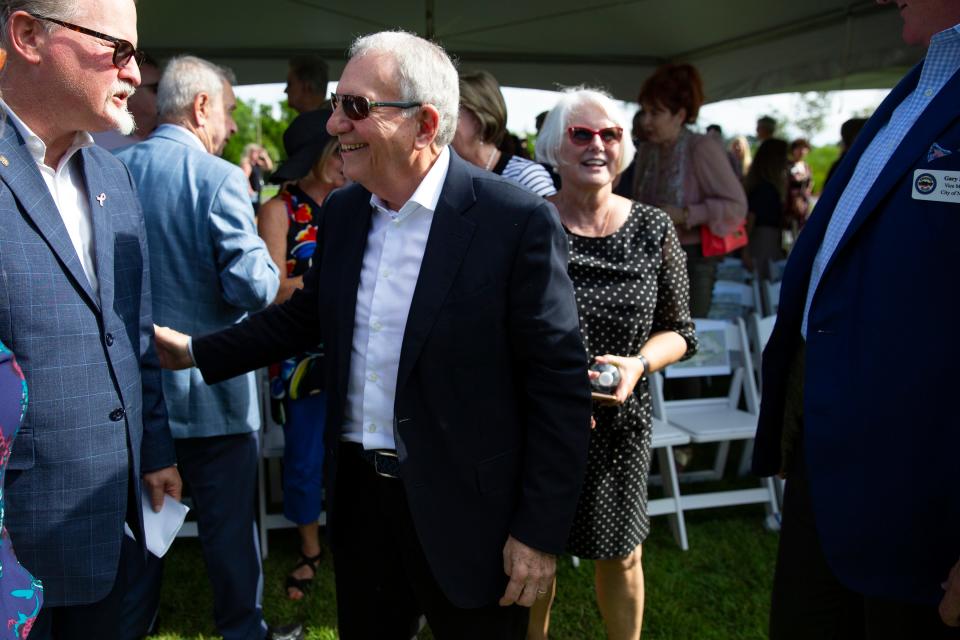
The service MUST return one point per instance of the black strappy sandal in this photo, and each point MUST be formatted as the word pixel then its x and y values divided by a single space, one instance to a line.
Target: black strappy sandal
pixel 303 584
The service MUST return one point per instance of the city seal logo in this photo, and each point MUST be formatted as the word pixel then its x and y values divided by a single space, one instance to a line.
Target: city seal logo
pixel 925 183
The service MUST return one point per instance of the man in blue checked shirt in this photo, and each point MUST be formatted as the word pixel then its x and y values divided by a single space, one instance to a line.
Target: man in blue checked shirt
pixel 860 372
pixel 211 269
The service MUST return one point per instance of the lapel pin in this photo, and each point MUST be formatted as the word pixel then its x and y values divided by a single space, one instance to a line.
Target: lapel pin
pixel 4 161
pixel 101 198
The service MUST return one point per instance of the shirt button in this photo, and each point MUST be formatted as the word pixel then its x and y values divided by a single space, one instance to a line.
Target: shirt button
pixel 928 92
pixel 373 377
pixel 385 273
pixel 376 326
pixel 108 339
pixel 371 427
pixel 117 414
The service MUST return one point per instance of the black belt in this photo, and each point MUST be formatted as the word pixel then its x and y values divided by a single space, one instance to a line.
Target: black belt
pixel 384 461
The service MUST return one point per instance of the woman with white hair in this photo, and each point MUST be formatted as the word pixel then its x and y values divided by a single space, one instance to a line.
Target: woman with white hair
pixel 630 278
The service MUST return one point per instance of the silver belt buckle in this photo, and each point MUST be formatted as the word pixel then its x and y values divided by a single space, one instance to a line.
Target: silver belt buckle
pixel 377 456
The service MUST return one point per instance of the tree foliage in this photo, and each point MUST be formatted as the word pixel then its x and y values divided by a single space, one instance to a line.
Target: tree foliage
pixel 811 111
pixel 256 123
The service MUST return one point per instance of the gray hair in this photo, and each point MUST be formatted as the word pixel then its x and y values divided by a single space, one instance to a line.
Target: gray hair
pixel 425 73
pixel 183 78
pixel 555 126
pixel 65 10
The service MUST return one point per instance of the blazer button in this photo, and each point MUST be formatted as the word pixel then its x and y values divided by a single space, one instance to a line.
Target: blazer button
pixel 109 339
pixel 117 414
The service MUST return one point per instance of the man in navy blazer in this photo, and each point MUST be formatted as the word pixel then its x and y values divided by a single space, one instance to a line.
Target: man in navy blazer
pixel 459 404
pixel 210 268
pixel 858 402
pixel 75 307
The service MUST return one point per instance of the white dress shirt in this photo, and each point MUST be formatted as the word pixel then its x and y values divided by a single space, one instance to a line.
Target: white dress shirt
pixel 69 192
pixel 388 277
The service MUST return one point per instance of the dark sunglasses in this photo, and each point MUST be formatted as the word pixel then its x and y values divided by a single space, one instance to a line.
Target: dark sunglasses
pixel 358 107
pixel 582 136
pixel 123 50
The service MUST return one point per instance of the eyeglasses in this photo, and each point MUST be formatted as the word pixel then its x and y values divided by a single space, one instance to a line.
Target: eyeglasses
pixel 358 107
pixel 582 136
pixel 123 50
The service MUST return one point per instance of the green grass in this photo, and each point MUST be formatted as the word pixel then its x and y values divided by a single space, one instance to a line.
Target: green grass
pixel 717 590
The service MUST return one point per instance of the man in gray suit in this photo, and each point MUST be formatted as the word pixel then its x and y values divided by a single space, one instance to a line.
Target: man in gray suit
pixel 210 269
pixel 75 307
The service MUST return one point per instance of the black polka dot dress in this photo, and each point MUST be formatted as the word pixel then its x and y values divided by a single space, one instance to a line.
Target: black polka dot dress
pixel 628 285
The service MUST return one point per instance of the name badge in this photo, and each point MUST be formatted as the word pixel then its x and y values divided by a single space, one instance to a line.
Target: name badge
pixel 938 186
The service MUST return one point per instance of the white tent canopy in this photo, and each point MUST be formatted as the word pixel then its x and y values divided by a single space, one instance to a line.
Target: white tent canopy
pixel 742 47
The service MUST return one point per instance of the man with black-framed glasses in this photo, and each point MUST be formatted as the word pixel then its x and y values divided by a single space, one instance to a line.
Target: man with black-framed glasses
pixel 142 106
pixel 75 304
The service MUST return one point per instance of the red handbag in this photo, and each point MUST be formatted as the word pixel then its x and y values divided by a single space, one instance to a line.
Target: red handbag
pixel 714 245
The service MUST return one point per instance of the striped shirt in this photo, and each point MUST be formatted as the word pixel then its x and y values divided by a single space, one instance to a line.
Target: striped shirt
pixel 941 63
pixel 528 174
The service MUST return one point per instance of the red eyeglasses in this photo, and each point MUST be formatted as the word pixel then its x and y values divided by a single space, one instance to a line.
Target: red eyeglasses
pixel 358 107
pixel 123 50
pixel 582 136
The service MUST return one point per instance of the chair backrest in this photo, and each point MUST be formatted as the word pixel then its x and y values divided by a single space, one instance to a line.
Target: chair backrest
pixel 732 269
pixel 771 297
pixel 731 300
pixel 723 350
pixel 776 269
pixel 758 332
pixel 763 327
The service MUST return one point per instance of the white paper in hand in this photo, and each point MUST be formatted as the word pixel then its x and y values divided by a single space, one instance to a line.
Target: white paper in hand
pixel 160 528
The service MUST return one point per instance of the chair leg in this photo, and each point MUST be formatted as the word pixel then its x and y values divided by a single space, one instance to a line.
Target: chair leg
pixel 746 458
pixel 671 488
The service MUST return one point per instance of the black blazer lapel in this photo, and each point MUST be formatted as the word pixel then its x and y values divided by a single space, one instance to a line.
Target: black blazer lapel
pixel 449 238
pixel 352 237
pixel 98 199
pixel 22 177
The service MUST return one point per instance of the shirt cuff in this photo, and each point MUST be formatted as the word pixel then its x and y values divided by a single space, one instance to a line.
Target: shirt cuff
pixel 190 350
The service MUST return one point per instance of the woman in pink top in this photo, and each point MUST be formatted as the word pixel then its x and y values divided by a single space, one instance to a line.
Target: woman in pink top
pixel 686 174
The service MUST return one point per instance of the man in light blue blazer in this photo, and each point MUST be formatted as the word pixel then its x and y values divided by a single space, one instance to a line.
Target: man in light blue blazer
pixel 210 269
pixel 75 307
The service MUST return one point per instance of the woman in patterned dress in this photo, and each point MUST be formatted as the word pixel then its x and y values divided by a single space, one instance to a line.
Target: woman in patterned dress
pixel 288 226
pixel 21 595
pixel 630 278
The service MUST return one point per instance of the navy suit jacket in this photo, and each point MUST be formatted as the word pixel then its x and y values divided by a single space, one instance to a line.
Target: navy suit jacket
pixel 94 381
pixel 881 433
pixel 492 409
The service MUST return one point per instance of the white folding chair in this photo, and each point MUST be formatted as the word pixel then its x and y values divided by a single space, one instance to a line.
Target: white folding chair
pixel 723 351
pixel 730 300
pixel 776 269
pixel 665 438
pixel 771 297
pixel 758 331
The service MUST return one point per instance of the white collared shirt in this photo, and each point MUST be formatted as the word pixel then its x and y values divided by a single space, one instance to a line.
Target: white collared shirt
pixel 69 192
pixel 388 277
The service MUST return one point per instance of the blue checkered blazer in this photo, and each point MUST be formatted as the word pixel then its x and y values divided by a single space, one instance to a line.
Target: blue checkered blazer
pixel 96 405
pixel 209 269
